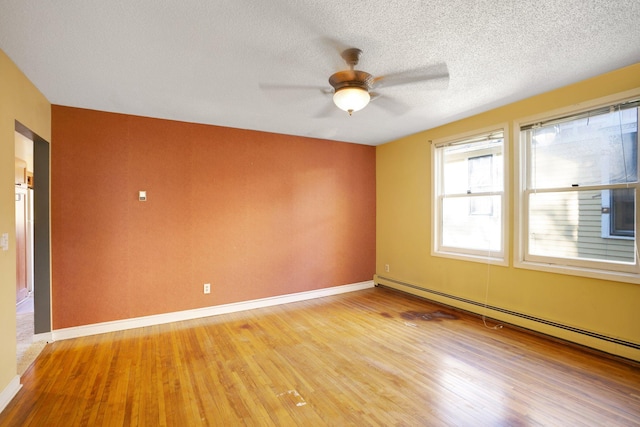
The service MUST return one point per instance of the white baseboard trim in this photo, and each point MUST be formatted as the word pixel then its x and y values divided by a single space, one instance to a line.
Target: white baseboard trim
pixel 158 319
pixel 9 392
pixel 45 336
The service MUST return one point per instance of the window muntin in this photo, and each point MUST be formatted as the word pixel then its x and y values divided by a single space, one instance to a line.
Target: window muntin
pixel 469 196
pixel 580 184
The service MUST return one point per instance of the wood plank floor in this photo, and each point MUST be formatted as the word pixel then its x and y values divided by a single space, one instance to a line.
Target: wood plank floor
pixel 373 357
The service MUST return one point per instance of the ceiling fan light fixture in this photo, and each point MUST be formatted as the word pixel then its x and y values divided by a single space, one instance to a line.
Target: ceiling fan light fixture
pixel 351 98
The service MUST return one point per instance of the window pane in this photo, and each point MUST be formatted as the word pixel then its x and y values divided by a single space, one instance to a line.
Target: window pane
pixel 569 225
pixel 461 229
pixel 598 150
pixel 472 168
pixel 480 173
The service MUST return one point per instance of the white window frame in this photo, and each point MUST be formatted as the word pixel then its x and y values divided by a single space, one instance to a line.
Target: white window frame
pixel 583 268
pixel 484 256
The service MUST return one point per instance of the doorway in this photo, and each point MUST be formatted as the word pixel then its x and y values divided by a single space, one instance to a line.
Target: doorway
pixel 33 271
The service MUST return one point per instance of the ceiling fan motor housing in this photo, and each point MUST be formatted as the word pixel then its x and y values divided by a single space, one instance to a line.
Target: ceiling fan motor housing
pixel 351 78
pixel 351 87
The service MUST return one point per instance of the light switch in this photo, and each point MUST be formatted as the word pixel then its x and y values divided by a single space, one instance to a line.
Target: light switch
pixel 142 196
pixel 4 241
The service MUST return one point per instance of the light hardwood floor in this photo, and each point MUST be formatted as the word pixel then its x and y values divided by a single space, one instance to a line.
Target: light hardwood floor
pixel 373 357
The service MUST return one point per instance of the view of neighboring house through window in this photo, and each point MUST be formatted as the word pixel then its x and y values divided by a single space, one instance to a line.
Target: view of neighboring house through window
pixel 469 196
pixel 621 213
pixel 480 181
pixel 579 189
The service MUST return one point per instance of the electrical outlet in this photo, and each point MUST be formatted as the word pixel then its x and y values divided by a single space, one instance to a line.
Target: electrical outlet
pixel 4 241
pixel 207 288
pixel 386 268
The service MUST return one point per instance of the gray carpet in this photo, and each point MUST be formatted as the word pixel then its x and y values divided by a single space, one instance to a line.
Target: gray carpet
pixel 27 350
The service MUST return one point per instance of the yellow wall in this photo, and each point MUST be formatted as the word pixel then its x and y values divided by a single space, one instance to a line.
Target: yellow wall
pixel 403 173
pixel 19 100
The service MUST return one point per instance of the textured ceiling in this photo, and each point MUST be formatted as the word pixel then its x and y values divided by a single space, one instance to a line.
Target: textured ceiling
pixel 224 62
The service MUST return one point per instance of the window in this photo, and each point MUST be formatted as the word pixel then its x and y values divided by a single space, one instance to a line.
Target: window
pixel 579 184
pixel 621 213
pixel 468 190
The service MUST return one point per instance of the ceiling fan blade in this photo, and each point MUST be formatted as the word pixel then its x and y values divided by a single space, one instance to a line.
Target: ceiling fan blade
pixel 390 104
pixel 436 75
pixel 287 93
pixel 328 110
pixel 285 87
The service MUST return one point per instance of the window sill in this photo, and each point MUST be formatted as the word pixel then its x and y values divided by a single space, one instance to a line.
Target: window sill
pixel 473 258
pixel 614 276
pixel 614 237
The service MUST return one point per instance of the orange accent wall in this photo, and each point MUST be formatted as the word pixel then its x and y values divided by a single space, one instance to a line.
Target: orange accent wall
pixel 255 214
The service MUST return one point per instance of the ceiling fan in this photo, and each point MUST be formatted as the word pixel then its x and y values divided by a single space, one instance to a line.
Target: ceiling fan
pixel 353 89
